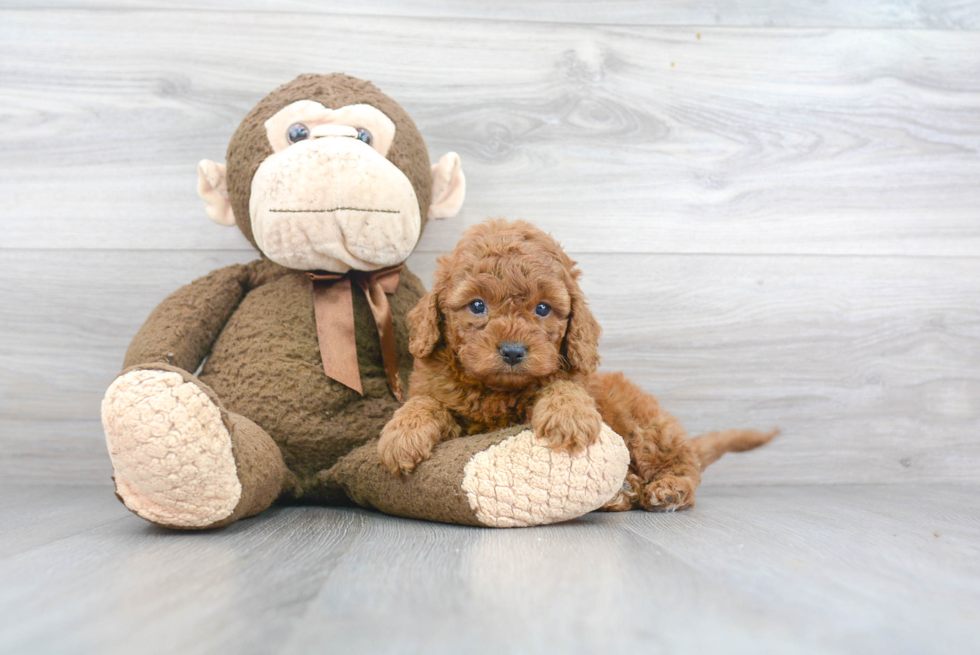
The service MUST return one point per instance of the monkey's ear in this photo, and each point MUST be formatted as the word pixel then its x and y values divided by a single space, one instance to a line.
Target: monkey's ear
pixel 448 187
pixel 212 186
pixel 581 347
pixel 424 326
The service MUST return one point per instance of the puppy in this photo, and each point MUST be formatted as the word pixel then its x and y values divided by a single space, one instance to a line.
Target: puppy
pixel 505 337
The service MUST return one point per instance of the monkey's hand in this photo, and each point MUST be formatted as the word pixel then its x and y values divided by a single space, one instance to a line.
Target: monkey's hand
pixel 565 417
pixel 413 431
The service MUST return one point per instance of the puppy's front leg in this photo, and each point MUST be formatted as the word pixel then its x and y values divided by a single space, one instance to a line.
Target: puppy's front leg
pixel 565 417
pixel 410 435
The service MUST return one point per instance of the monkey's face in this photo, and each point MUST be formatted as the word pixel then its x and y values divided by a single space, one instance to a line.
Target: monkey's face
pixel 329 173
pixel 328 198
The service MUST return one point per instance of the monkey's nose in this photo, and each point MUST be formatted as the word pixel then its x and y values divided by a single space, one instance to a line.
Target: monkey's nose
pixel 512 352
pixel 333 130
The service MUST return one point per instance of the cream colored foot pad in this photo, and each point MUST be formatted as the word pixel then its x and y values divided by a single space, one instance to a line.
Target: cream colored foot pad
pixel 170 450
pixel 519 482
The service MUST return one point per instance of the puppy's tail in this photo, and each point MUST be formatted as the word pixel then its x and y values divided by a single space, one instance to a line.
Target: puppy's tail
pixel 713 445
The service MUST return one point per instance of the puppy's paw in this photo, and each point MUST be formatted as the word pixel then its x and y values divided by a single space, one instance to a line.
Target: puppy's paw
pixel 566 419
pixel 410 435
pixel 628 496
pixel 669 493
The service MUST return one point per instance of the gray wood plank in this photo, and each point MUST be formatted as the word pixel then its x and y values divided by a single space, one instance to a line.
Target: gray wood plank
pixel 36 515
pixel 869 365
pixel 843 569
pixel 78 312
pixel 128 586
pixel 623 139
pixel 936 14
pixel 43 451
pixel 848 570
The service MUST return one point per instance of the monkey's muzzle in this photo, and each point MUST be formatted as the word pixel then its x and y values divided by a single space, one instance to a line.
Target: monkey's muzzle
pixel 333 204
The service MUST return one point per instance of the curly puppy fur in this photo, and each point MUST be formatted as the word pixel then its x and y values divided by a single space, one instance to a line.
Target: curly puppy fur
pixel 506 337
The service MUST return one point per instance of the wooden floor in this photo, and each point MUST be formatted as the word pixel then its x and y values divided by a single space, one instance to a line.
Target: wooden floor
pixel 790 569
pixel 776 207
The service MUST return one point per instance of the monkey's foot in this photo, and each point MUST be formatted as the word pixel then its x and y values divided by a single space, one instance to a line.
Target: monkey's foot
pixel 170 449
pixel 522 482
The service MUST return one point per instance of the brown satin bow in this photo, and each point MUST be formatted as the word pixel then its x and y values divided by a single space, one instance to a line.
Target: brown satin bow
pixel 334 308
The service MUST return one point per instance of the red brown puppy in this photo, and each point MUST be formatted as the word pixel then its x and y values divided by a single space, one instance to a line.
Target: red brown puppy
pixel 506 337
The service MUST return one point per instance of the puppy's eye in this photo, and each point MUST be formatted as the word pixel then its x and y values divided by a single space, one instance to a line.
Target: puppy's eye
pixel 478 307
pixel 542 310
pixel 364 135
pixel 297 132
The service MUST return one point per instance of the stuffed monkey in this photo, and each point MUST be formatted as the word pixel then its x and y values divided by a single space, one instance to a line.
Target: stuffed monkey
pixel 271 381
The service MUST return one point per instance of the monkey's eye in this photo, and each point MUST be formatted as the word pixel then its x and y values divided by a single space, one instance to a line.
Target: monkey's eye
pixel 478 307
pixel 364 135
pixel 542 310
pixel 297 132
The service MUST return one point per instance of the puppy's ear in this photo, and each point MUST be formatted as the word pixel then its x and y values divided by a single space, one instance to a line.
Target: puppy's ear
pixel 424 324
pixel 581 345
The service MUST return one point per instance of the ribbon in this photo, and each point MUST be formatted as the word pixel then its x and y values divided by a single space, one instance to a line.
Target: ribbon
pixel 333 304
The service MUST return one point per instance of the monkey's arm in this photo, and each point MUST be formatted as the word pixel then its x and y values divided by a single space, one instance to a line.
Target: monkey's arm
pixel 182 328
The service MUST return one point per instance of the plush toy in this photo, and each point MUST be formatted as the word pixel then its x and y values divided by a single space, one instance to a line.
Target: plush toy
pixel 272 380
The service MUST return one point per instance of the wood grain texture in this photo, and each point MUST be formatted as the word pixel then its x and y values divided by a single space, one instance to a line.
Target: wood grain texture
pixel 778 217
pixel 779 226
pixel 620 139
pixel 871 366
pixel 840 569
pixel 935 14
pixel 38 515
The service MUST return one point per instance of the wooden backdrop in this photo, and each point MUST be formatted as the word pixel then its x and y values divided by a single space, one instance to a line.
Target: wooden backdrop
pixel 776 204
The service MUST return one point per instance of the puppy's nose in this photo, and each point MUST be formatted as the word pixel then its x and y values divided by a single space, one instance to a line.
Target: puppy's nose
pixel 512 352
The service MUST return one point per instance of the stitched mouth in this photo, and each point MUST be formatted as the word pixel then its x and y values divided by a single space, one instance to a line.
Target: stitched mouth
pixel 334 209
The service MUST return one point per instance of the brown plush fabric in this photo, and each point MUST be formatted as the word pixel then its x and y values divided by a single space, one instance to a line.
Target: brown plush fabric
pixel 432 492
pixel 255 324
pixel 182 328
pixel 261 470
pixel 265 363
pixel 249 146
pixel 258 461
